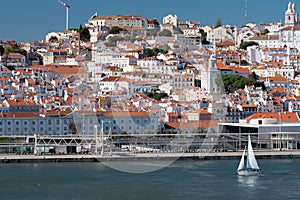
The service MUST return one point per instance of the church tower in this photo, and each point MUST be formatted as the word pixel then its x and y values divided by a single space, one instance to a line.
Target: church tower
pixel 291 16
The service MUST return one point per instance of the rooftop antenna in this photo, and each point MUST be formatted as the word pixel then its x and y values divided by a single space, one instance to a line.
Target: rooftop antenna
pixel 246 10
pixel 67 13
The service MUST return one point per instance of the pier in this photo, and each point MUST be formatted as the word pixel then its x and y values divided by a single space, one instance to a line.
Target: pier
pixel 146 156
pixel 100 147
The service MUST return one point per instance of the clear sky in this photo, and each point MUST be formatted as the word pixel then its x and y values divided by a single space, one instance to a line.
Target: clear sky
pixel 28 20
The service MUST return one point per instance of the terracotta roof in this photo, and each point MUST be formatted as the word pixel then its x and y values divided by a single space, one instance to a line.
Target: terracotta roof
pixel 288 28
pixel 285 117
pixel 194 124
pixel 21 115
pixel 21 102
pixel 125 114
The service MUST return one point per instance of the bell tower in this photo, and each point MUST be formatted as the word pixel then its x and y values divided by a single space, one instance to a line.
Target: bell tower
pixel 291 16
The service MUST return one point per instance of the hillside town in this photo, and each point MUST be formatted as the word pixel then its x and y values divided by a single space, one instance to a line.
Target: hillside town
pixel 128 75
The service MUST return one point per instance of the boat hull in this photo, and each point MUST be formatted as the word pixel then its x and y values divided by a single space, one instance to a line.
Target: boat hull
pixel 249 172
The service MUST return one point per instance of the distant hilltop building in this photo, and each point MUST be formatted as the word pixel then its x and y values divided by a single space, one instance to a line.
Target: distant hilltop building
pixel 128 22
pixel 171 19
pixel 291 16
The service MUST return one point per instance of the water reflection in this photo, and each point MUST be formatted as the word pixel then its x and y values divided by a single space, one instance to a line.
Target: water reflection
pixel 248 181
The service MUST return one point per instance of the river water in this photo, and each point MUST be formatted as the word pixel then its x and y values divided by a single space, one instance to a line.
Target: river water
pixel 184 179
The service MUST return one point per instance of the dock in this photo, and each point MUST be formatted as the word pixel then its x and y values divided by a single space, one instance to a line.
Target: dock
pixel 293 154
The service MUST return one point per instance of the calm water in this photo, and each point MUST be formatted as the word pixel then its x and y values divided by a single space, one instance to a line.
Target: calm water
pixel 181 180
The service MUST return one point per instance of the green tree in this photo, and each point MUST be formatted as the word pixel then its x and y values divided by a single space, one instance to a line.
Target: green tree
pixel 14 49
pixel 1 50
pixel 152 32
pixel 203 36
pixel 219 23
pixel 84 33
pixel 116 30
pixel 157 96
pixel 244 45
pixel 154 51
pixel 233 82
pixel 265 32
pixel 165 33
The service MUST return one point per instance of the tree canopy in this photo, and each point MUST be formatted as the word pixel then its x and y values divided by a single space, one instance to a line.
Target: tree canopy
pixel 203 36
pixel 166 33
pixel 116 30
pixel 154 51
pixel 112 41
pixel 157 96
pixel 1 50
pixel 244 45
pixel 234 82
pixel 84 33
pixel 219 23
pixel 265 32
pixel 14 49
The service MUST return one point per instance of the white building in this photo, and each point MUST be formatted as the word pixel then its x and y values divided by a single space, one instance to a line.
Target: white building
pixel 171 19
pixel 209 75
pixel 290 37
pixel 291 15
pixel 34 123
pixel 220 34
pixel 269 41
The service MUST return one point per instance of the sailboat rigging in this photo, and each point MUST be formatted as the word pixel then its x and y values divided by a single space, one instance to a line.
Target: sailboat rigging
pixel 251 168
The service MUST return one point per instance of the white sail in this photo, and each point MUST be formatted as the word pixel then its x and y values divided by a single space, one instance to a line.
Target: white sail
pixel 251 161
pixel 242 162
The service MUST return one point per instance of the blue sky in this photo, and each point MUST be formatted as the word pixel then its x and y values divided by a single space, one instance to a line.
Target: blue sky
pixel 27 20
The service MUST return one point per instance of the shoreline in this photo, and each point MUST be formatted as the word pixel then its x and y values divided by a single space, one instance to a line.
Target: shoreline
pixel 9 158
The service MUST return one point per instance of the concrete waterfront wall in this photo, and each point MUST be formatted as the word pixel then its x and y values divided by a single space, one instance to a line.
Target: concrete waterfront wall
pixel 146 156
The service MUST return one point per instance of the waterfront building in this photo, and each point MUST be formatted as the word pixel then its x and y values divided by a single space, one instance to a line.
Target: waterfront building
pixel 131 122
pixel 21 123
pixel 271 130
pixel 21 105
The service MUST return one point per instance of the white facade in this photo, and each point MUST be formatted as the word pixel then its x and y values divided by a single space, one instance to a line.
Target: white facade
pixel 269 41
pixel 209 75
pixel 291 16
pixel 220 34
pixel 171 19
pixel 287 71
pixel 290 37
pixel 34 124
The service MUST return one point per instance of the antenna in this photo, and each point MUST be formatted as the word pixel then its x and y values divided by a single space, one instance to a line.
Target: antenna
pixel 67 13
pixel 246 10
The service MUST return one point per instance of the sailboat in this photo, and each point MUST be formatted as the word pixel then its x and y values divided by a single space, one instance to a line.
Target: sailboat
pixel 251 168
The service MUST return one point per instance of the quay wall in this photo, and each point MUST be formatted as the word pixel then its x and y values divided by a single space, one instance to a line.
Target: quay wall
pixel 146 156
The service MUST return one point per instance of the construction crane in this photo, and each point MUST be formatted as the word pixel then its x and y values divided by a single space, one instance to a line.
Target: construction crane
pixel 67 13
